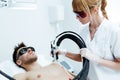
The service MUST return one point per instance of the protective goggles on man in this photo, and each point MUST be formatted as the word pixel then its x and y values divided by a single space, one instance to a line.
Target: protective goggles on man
pixel 23 51
pixel 80 14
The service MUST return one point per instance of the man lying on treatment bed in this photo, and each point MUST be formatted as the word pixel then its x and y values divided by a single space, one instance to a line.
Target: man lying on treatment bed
pixel 26 58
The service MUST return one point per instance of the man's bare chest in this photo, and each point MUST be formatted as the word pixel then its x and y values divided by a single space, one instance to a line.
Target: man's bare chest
pixel 51 72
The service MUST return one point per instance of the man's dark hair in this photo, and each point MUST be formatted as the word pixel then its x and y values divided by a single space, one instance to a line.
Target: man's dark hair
pixel 15 52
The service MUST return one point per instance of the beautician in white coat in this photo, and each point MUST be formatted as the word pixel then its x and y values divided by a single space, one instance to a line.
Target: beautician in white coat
pixel 101 37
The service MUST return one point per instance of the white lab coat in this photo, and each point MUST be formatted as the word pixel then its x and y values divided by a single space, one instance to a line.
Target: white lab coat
pixel 106 43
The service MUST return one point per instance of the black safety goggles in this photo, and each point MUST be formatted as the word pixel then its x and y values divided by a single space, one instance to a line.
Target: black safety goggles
pixel 23 51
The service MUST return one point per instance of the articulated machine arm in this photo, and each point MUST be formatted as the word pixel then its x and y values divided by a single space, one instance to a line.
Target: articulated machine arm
pixel 79 41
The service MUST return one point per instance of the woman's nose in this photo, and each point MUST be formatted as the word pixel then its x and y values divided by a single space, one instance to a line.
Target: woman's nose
pixel 77 17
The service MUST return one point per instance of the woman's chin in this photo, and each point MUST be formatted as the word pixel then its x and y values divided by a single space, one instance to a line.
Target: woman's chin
pixel 84 23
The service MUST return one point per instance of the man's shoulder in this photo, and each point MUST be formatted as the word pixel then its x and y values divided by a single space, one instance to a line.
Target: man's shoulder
pixel 21 76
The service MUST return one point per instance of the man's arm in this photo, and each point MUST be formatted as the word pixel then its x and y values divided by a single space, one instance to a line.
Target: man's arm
pixel 21 76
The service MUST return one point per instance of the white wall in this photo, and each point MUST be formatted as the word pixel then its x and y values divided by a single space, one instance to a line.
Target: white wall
pixel 113 10
pixel 70 22
pixel 29 26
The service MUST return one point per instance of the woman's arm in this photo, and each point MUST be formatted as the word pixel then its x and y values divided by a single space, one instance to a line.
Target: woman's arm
pixel 111 64
pixel 73 56
pixel 94 58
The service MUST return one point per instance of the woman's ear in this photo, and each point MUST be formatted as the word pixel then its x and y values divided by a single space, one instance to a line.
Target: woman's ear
pixel 19 62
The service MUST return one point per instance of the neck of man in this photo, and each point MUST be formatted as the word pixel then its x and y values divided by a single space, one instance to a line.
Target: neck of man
pixel 32 66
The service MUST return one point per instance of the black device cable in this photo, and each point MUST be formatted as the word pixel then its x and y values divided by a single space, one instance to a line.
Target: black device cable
pixel 80 42
pixel 6 75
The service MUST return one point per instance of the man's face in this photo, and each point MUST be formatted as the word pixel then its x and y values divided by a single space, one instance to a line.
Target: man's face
pixel 26 55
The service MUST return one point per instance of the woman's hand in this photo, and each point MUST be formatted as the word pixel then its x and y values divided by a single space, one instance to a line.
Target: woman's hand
pixel 61 52
pixel 90 56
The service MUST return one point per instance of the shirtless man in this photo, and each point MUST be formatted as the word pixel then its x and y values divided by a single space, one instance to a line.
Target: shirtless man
pixel 26 58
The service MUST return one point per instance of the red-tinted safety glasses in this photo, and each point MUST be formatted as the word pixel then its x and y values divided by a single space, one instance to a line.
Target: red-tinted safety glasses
pixel 81 14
